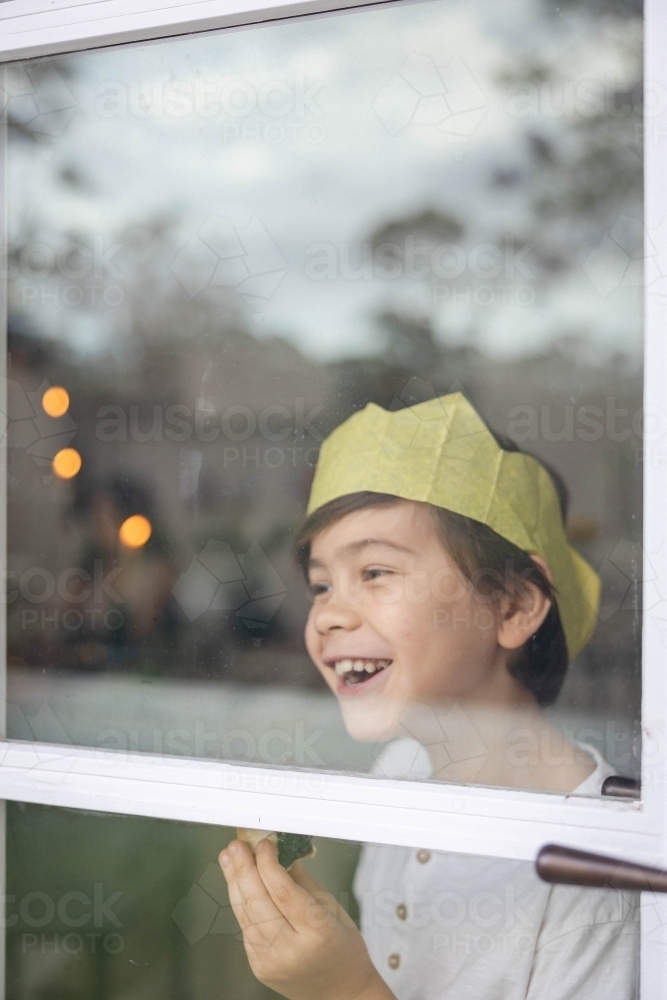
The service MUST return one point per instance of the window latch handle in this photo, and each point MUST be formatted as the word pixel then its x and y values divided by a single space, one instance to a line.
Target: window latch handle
pixel 565 866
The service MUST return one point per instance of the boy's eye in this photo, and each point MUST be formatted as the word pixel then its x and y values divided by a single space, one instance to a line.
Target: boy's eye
pixel 372 573
pixel 317 589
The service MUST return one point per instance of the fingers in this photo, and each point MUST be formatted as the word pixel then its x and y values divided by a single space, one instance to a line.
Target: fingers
pixel 295 902
pixel 260 919
pixel 302 877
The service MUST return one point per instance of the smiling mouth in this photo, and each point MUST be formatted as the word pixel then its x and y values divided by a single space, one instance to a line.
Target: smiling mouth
pixel 355 672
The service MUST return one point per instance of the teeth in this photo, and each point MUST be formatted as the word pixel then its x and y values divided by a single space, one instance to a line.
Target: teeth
pixel 343 667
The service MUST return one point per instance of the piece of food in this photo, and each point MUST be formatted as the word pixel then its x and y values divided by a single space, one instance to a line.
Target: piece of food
pixel 290 846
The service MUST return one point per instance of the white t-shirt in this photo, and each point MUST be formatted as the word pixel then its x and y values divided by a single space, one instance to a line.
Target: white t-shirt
pixel 458 927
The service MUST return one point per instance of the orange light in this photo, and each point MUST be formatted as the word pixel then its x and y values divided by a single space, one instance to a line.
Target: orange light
pixel 66 463
pixel 135 531
pixel 55 401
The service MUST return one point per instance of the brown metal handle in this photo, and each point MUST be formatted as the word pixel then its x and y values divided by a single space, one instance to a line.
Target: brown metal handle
pixel 565 866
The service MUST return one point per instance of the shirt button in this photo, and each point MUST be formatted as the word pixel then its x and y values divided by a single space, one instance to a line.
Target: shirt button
pixel 423 857
pixel 401 911
pixel 394 961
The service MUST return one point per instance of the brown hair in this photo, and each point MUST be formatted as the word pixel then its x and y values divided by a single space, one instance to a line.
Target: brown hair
pixel 495 567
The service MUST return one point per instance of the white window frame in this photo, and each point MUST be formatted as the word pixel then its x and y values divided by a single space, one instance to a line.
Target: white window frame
pixel 494 822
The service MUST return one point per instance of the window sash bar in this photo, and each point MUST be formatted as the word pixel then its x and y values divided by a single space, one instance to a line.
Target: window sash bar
pixel 3 507
pixel 471 820
pixel 654 634
pixel 31 28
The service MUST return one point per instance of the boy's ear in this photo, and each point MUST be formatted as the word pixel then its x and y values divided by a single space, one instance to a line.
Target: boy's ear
pixel 521 618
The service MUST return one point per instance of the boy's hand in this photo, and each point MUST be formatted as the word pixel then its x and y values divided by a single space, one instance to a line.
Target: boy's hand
pixel 299 941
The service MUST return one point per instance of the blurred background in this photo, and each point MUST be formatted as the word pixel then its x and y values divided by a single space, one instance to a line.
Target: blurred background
pixel 220 247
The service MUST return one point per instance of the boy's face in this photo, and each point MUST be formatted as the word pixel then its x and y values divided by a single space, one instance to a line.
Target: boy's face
pixel 394 622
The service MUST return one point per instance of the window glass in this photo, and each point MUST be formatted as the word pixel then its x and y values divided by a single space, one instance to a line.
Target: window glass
pixel 110 906
pixel 114 906
pixel 223 246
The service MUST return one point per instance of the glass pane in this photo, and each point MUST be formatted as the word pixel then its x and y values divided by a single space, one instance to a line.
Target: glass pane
pixel 113 906
pixel 223 246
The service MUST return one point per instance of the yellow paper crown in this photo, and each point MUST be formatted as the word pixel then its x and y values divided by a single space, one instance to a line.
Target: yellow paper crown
pixel 441 452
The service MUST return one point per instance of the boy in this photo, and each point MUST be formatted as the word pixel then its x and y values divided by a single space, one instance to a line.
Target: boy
pixel 446 607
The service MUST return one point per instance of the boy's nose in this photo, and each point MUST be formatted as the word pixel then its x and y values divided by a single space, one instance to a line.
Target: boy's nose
pixel 331 616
